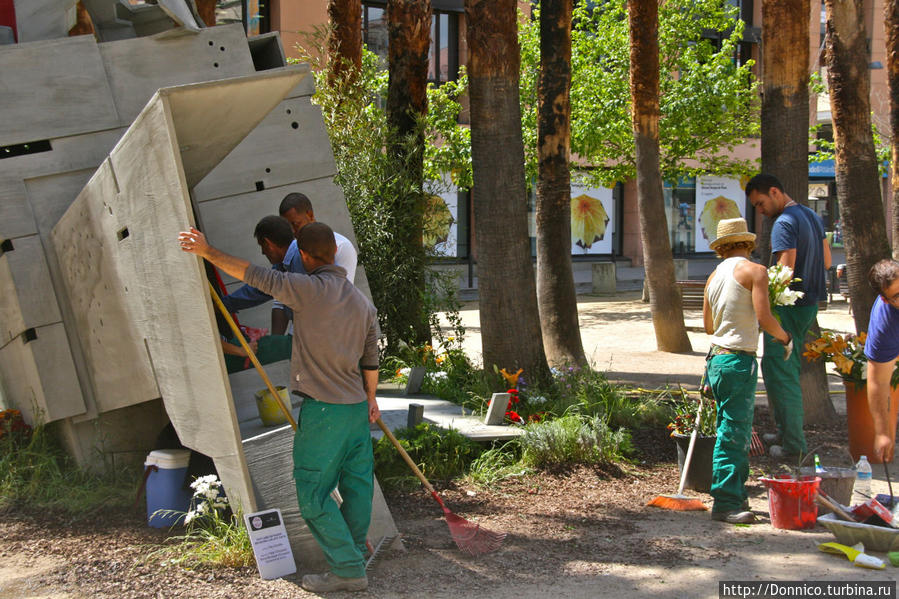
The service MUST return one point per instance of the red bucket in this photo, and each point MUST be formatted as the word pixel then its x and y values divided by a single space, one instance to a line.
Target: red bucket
pixel 791 501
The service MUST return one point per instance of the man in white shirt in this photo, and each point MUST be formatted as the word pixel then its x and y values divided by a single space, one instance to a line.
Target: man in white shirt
pixel 297 209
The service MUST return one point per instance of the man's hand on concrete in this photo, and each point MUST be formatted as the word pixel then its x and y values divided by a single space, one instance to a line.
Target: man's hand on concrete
pixel 194 242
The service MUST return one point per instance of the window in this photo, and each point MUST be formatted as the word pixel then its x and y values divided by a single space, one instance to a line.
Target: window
pixel 443 57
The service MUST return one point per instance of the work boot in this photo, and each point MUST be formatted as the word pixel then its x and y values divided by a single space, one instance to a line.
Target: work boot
pixel 734 517
pixel 776 451
pixel 324 583
pixel 770 438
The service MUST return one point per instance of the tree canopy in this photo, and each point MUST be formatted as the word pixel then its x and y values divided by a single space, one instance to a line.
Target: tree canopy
pixel 708 100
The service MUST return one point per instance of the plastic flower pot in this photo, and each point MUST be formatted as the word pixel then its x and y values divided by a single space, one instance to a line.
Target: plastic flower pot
pixel 859 423
pixel 699 477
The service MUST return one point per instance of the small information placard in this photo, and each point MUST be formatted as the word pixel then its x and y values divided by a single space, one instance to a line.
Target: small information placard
pixel 270 544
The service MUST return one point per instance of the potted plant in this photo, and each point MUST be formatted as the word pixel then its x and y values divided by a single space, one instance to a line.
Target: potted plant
pixel 847 352
pixel 699 476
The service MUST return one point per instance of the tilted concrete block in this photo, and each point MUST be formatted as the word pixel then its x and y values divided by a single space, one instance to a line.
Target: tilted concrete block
pixel 16 217
pixel 128 217
pixel 27 299
pixel 53 89
pixel 39 376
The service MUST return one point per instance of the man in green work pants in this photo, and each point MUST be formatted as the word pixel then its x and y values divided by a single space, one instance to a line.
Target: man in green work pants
pixel 334 367
pixel 798 242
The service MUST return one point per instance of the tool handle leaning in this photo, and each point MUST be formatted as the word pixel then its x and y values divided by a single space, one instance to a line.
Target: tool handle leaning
pixel 405 456
pixel 252 356
pixel 683 476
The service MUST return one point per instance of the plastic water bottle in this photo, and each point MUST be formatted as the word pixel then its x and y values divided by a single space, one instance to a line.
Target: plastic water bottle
pixel 863 480
pixel 819 469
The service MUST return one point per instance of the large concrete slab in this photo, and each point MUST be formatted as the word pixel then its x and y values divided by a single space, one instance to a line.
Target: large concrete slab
pixel 127 218
pixel 16 217
pixel 39 376
pixel 137 67
pixel 27 299
pixel 53 88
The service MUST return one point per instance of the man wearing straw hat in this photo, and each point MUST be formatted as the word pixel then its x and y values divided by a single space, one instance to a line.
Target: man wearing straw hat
pixel 735 303
pixel 797 241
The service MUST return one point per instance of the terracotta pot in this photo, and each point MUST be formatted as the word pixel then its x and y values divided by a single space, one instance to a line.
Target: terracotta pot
pixel 858 420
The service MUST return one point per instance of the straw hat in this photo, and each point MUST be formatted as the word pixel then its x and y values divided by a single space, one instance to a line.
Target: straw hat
pixel 732 230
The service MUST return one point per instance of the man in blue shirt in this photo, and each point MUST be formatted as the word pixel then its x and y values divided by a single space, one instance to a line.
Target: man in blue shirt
pixel 276 241
pixel 882 351
pixel 797 241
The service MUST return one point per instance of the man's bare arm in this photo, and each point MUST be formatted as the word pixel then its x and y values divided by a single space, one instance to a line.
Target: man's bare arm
pixel 828 259
pixel 787 258
pixel 370 381
pixel 195 242
pixel 707 320
pixel 879 405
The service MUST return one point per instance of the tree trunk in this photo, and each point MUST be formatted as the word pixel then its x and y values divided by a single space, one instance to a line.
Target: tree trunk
pixel 664 299
pixel 785 101
pixel 206 11
pixel 409 38
pixel 785 118
pixel 858 181
pixel 556 295
pixel 510 324
pixel 891 29
pixel 345 41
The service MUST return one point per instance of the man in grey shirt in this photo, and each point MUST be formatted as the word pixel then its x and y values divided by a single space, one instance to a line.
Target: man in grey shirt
pixel 334 366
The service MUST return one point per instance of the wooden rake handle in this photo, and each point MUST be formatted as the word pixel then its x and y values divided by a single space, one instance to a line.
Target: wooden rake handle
pixel 405 456
pixel 252 356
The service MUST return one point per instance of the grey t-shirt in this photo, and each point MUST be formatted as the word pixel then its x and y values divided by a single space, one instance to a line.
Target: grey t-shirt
pixel 335 331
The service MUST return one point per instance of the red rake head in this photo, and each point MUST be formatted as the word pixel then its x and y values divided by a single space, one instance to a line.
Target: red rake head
pixel 471 538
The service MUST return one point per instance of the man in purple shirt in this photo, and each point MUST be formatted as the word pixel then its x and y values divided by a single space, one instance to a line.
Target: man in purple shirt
pixel 882 351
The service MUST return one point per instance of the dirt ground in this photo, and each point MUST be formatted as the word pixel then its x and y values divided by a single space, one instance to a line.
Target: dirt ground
pixel 582 532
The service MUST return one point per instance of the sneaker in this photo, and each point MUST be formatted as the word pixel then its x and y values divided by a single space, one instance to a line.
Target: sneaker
pixel 770 438
pixel 776 451
pixel 734 517
pixel 323 583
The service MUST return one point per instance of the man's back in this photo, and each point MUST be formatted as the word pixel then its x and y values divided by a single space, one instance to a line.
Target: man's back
pixel 799 228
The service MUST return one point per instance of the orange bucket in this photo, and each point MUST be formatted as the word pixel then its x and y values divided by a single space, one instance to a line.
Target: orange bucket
pixel 791 501
pixel 859 422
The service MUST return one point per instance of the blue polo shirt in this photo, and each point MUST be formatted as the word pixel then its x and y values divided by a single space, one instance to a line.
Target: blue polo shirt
pixel 799 228
pixel 882 344
pixel 247 296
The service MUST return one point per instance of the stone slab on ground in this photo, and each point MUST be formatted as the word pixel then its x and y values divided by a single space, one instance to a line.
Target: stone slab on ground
pixel 445 414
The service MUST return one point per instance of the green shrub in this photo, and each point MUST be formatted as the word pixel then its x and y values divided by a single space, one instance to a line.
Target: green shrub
pixel 572 439
pixel 498 463
pixel 439 454
pixel 35 471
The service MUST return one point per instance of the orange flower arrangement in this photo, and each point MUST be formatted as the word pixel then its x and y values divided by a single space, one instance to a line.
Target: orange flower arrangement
pixel 847 352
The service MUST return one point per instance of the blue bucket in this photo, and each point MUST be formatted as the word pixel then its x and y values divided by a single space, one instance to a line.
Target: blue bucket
pixel 165 487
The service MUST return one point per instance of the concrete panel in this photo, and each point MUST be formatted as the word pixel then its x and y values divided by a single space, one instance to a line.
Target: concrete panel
pixel 270 461
pixel 27 299
pixel 50 196
pixel 16 218
pixel 39 375
pixel 219 217
pixel 66 94
pixel 290 145
pixel 143 191
pixel 43 19
pixel 90 271
pixel 138 67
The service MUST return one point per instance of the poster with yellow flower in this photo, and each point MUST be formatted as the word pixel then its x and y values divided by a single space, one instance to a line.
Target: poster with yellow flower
pixel 717 198
pixel 592 223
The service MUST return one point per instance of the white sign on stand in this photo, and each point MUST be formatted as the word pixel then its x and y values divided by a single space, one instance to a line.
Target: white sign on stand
pixel 270 544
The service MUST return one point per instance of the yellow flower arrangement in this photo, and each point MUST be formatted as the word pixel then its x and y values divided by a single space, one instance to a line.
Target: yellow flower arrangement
pixel 847 352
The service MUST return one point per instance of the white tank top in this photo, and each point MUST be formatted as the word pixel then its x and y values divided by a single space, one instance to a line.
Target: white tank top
pixel 733 316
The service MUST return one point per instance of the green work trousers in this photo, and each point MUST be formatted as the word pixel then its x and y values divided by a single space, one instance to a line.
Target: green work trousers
pixel 782 376
pixel 332 448
pixel 271 348
pixel 733 378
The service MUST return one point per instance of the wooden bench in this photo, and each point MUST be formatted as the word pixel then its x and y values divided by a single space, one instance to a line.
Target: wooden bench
pixel 691 293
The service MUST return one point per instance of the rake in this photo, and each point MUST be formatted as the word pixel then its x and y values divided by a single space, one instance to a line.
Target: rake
pixel 469 537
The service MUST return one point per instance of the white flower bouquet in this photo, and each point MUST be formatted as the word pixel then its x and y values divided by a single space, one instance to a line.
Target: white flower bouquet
pixel 779 293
